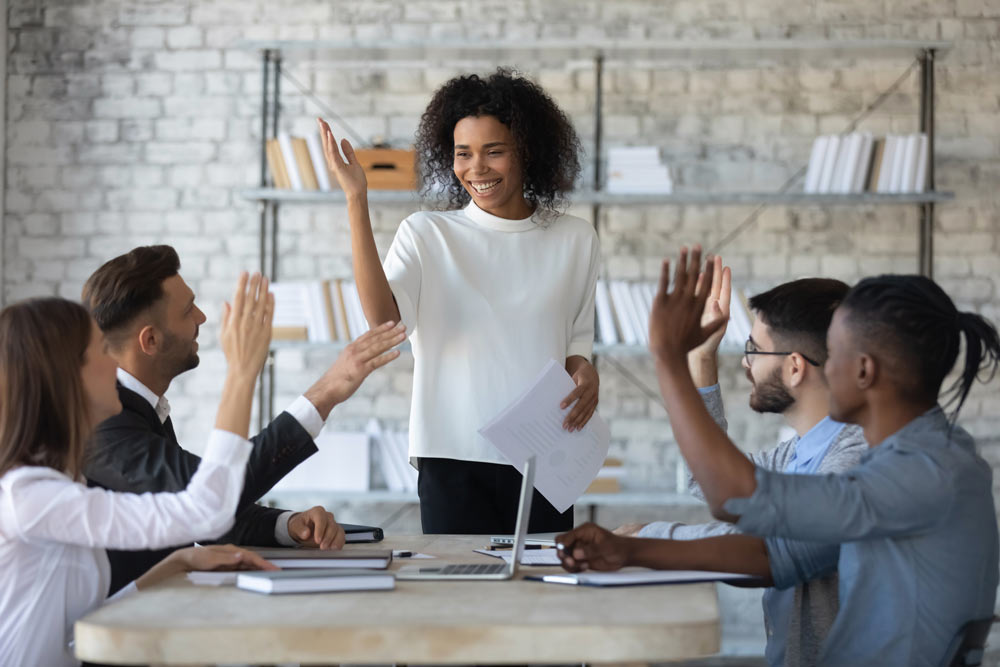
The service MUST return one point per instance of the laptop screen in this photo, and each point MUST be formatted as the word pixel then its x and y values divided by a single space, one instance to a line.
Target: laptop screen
pixel 523 513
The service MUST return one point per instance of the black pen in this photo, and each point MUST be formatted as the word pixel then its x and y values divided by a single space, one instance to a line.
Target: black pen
pixel 402 554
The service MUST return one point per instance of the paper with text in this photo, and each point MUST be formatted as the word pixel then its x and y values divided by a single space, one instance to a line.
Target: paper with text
pixel 532 557
pixel 532 426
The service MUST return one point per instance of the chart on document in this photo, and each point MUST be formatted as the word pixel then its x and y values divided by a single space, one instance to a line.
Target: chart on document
pixel 532 426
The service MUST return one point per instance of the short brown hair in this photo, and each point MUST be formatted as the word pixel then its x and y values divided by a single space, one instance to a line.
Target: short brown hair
pixel 44 419
pixel 127 285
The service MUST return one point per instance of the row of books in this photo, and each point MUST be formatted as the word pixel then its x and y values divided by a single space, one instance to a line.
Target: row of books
pixel 637 170
pixel 318 311
pixel 859 162
pixel 394 457
pixel 623 310
pixel 297 163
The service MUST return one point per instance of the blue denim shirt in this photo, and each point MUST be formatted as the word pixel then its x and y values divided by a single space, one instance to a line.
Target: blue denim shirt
pixel 779 602
pixel 918 533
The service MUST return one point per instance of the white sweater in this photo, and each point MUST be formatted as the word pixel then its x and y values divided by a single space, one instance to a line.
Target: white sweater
pixel 487 302
pixel 54 532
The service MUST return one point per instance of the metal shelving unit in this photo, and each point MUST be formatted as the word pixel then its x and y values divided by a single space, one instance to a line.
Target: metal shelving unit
pixel 598 56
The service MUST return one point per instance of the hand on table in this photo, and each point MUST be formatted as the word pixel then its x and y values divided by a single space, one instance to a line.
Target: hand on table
pixel 590 547
pixel 316 528
pixel 204 558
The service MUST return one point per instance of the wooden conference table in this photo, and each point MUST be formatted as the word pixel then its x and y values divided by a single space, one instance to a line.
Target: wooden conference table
pixel 419 622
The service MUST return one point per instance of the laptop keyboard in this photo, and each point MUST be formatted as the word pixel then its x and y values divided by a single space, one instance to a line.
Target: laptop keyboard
pixel 475 568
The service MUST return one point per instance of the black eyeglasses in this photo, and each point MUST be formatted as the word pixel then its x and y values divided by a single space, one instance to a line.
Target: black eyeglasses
pixel 750 348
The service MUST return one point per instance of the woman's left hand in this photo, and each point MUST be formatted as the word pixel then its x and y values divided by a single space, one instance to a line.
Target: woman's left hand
pixel 210 557
pixel 587 385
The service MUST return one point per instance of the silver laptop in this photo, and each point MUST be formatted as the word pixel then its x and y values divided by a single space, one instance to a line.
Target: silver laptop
pixel 485 571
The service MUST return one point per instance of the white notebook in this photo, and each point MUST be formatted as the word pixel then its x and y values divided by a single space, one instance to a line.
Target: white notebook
pixel 315 581
pixel 639 577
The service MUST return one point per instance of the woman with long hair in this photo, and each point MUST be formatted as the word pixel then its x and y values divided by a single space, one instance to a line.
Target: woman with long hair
pixel 489 290
pixel 57 382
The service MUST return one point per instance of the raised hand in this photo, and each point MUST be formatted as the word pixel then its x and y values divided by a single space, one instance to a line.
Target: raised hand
pixel 245 333
pixel 590 547
pixel 356 362
pixel 348 173
pixel 717 307
pixel 675 324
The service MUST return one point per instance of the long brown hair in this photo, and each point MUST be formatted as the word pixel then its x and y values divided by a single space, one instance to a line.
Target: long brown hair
pixel 44 417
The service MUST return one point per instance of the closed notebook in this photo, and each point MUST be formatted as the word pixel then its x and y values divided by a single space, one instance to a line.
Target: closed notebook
pixel 639 577
pixel 377 559
pixel 315 581
pixel 359 533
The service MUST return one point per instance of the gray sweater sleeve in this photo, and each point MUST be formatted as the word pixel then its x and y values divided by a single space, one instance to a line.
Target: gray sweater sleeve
pixel 772 459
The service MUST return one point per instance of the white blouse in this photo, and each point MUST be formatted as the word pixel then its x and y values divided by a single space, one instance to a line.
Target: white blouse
pixel 54 532
pixel 487 302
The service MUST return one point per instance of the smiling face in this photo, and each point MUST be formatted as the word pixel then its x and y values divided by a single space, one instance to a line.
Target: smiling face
pixel 181 319
pixel 488 167
pixel 768 392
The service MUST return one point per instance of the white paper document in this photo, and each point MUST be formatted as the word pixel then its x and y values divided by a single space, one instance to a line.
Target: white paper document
pixel 532 426
pixel 529 557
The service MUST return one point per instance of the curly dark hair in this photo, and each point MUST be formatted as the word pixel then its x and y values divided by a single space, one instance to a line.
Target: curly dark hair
pixel 545 141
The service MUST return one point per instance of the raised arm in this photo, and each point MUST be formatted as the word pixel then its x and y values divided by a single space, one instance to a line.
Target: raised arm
pixel 373 287
pixel 44 504
pixel 676 328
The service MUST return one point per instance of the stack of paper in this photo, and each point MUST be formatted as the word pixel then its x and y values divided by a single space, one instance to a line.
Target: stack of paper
pixel 532 426
pixel 637 170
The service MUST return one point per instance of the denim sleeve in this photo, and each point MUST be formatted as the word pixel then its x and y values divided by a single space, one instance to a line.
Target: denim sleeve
pixel 793 562
pixel 898 492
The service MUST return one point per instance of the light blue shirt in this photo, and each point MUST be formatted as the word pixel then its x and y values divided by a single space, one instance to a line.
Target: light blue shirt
pixel 779 602
pixel 918 541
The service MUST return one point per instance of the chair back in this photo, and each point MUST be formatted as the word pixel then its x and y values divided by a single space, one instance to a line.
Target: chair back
pixel 968 646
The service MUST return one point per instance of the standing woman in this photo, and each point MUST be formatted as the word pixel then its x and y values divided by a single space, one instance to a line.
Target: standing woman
pixel 57 382
pixel 489 291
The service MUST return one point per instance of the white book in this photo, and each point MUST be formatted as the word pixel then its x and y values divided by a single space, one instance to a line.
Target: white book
pixel 829 162
pixel 356 321
pixel 863 163
pixel 291 166
pixel 908 178
pixel 843 167
pixel 339 312
pixel 390 472
pixel 621 155
pixel 291 305
pixel 315 581
pixel 898 156
pixel 641 310
pixel 318 161
pixel 401 444
pixel 319 329
pixel 311 558
pixel 920 173
pixel 885 170
pixel 605 318
pixel 623 306
pixel 816 163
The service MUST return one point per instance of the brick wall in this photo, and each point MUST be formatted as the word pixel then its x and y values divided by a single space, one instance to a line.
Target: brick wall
pixel 137 122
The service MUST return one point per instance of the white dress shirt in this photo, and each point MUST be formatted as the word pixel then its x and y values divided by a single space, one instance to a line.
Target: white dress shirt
pixel 54 532
pixel 301 409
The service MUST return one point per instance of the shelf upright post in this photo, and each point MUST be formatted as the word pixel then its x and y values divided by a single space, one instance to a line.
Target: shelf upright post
pixel 926 244
pixel 263 206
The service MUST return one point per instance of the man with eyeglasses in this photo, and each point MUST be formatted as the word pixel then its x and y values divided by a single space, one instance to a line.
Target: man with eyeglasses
pixel 783 360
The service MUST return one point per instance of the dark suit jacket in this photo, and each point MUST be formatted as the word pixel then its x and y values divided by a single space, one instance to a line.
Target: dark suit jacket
pixel 134 452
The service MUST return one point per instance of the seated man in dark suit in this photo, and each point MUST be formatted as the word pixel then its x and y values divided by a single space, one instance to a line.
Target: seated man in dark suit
pixel 151 322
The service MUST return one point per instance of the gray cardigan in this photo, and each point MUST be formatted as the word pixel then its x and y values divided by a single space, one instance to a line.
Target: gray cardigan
pixel 816 601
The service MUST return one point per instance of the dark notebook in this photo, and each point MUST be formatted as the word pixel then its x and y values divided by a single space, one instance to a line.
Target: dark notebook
pixel 357 533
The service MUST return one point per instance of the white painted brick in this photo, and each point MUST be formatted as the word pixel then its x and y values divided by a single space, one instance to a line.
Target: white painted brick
pixel 154 84
pixel 49 247
pixel 179 61
pixel 136 130
pixel 135 107
pixel 179 152
pixel 101 131
pixel 148 38
pixel 161 13
pixel 188 37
